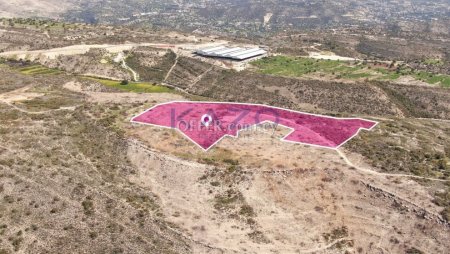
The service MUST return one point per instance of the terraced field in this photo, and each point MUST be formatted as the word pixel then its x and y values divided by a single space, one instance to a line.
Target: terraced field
pixel 300 67
pixel 137 87
pixel 431 78
pixel 38 70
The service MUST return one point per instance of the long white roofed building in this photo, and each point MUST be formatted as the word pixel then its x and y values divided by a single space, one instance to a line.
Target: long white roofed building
pixel 235 53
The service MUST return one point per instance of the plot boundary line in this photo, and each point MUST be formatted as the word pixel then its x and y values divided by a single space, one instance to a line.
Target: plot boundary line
pixel 243 129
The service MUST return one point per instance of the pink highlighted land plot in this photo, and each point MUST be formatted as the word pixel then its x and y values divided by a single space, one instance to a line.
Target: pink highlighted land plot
pixel 206 123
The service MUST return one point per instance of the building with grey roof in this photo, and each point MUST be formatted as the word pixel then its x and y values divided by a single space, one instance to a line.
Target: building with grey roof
pixel 234 53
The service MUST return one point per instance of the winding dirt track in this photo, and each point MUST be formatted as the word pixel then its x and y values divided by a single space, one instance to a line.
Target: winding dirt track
pixel 173 67
pixel 366 170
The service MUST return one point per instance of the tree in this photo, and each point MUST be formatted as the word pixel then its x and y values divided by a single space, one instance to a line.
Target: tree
pixel 124 82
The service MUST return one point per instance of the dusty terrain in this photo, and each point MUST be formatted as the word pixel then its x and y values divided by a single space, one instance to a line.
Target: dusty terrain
pixel 254 194
pixel 76 176
pixel 292 209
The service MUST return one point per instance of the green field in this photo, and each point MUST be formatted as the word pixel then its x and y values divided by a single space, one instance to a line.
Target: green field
pixel 38 70
pixel 432 61
pixel 431 78
pixel 300 66
pixel 136 87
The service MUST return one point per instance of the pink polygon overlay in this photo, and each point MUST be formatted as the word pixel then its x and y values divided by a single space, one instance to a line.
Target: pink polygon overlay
pixel 206 123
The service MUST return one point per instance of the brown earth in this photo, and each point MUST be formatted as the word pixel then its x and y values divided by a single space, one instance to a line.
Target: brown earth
pixel 76 176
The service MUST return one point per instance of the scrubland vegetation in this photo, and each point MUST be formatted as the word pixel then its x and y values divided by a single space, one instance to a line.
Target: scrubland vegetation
pixel 65 171
pixel 72 163
pixel 151 64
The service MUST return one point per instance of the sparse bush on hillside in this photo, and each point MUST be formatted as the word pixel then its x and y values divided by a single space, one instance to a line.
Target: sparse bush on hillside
pixel 150 64
pixel 88 206
pixel 336 234
pixel 413 250
pixel 390 153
